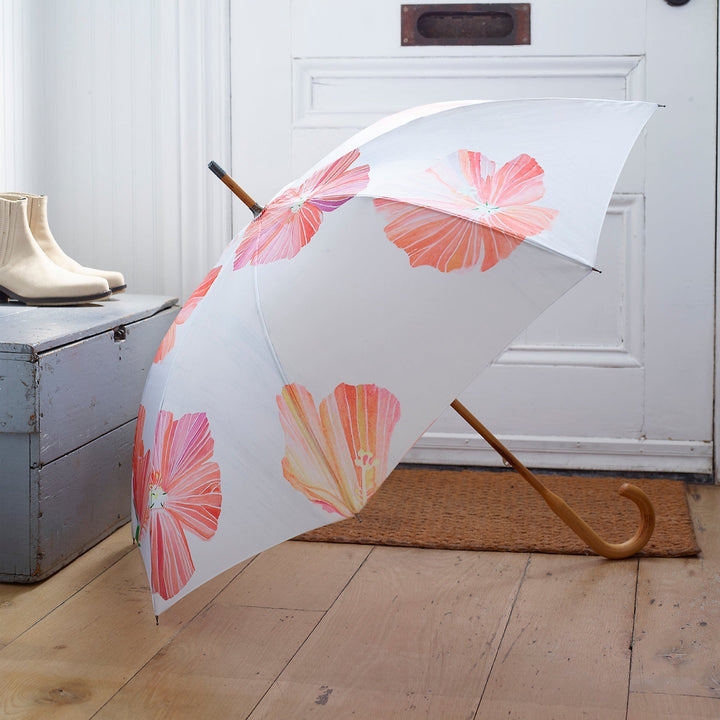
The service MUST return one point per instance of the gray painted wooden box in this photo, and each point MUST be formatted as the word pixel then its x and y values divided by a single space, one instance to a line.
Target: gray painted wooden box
pixel 71 379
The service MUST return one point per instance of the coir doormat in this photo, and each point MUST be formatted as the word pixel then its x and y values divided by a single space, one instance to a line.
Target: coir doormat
pixel 497 510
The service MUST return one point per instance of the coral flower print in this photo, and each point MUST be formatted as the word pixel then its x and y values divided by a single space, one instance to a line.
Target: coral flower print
pixel 289 222
pixel 176 491
pixel 479 213
pixel 337 457
pixel 168 342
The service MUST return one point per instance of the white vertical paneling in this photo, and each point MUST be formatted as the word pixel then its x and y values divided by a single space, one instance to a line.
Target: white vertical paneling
pixel 8 77
pixel 217 125
pixel 261 82
pixel 117 107
pixel 191 101
pixel 204 109
pixel 167 225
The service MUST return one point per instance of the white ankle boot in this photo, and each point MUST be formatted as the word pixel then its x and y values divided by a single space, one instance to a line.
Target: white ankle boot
pixel 28 274
pixel 39 227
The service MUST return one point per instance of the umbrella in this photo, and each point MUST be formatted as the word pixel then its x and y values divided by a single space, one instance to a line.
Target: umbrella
pixel 347 315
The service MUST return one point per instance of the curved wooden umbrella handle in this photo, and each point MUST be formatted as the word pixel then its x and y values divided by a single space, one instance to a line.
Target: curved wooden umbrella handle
pixel 613 551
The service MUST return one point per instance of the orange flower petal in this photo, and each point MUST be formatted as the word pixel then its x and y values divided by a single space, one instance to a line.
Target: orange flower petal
pixel 338 457
pixel 479 214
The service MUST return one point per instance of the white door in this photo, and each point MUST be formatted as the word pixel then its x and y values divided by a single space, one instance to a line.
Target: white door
pixel 619 373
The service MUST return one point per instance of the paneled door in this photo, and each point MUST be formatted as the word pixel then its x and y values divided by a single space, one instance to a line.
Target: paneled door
pixel 619 373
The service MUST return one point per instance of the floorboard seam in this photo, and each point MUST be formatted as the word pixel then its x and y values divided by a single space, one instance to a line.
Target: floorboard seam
pixel 502 635
pixel 69 597
pixel 172 638
pixel 315 626
pixel 632 638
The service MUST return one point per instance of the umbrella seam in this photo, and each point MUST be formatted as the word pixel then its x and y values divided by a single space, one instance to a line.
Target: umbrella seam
pixel 266 329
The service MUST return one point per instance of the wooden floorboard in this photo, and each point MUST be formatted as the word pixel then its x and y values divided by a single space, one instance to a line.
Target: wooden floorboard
pixel 21 606
pixel 72 661
pixel 344 631
pixel 225 660
pixel 566 650
pixel 219 666
pixel 660 706
pixel 299 575
pixel 677 628
pixel 415 631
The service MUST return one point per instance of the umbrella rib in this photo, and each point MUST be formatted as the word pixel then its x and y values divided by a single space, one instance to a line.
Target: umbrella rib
pixel 316 441
pixel 266 329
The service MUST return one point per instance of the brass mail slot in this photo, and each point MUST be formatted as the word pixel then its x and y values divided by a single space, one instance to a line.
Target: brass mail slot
pixel 476 24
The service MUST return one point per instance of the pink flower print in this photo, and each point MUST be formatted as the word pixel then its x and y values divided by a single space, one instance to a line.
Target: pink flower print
pixel 477 213
pixel 176 491
pixel 289 222
pixel 140 474
pixel 168 342
pixel 337 457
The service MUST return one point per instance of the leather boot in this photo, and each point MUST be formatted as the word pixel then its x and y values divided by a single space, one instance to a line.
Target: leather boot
pixel 39 227
pixel 27 274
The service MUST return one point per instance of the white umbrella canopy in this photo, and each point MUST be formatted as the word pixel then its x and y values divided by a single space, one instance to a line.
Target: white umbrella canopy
pixel 351 312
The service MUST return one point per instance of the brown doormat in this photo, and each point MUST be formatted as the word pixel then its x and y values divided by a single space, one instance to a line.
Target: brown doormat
pixel 497 510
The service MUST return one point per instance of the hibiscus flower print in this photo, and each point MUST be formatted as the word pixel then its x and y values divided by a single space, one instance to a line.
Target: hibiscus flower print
pixel 176 491
pixel 337 456
pixel 289 222
pixel 168 342
pixel 479 214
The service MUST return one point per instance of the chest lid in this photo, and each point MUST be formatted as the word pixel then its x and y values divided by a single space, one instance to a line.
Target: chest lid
pixel 31 330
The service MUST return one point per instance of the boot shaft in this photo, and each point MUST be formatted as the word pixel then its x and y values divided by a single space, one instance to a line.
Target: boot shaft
pixel 38 221
pixel 15 236
pixel 37 217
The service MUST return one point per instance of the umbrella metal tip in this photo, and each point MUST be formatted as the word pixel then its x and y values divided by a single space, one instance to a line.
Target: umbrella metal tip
pixel 215 168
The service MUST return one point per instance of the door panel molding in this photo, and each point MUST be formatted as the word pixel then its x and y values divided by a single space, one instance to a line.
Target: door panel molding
pixel 354 92
pixel 607 331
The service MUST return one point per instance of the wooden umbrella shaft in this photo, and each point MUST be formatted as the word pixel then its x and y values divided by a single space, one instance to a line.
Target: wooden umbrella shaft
pixel 239 192
pixel 563 510
pixel 499 448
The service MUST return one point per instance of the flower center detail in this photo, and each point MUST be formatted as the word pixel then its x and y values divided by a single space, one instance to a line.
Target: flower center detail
pixel 486 209
pixel 297 206
pixel 157 497
pixel 365 459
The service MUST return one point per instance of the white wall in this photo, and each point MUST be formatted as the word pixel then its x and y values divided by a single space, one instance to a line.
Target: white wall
pixel 113 108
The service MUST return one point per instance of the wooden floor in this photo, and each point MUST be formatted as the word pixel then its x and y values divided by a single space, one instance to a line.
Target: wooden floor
pixel 342 631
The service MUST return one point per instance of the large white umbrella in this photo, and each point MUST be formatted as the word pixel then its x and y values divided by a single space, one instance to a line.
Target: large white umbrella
pixel 352 311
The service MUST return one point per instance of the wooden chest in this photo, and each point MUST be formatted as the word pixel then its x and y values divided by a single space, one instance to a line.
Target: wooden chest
pixel 71 379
